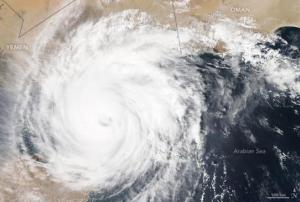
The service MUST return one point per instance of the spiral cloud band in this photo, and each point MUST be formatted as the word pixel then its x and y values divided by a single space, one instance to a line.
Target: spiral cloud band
pixel 113 109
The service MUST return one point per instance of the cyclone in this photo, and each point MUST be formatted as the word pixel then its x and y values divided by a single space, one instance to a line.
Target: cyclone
pixel 120 106
pixel 113 108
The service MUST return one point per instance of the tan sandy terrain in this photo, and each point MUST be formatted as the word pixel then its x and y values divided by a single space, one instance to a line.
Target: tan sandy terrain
pixel 268 14
pixel 21 20
pixel 25 183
